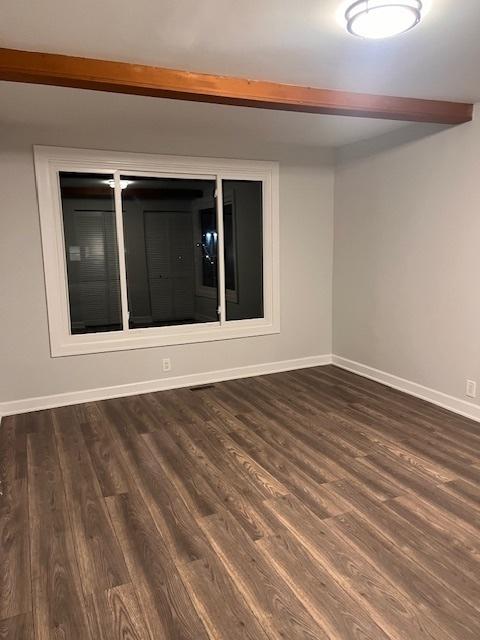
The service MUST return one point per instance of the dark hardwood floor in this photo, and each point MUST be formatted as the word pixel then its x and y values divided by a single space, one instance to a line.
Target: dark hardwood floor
pixel 312 504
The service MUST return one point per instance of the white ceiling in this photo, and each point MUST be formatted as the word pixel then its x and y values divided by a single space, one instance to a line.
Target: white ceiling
pixel 299 42
pixel 59 107
pixel 296 42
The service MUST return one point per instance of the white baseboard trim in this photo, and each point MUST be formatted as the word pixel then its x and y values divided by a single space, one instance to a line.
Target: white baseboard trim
pixel 457 405
pixel 174 382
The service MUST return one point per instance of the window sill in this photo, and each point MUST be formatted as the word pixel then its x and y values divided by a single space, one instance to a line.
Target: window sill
pixel 166 336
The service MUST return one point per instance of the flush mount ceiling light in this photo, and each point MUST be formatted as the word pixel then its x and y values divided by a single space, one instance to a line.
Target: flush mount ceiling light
pixel 382 18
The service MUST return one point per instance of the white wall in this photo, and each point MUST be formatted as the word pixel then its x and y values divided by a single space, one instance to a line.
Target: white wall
pixel 306 219
pixel 407 257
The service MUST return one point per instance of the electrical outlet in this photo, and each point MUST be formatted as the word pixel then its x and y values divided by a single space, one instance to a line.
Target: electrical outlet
pixel 167 364
pixel 471 389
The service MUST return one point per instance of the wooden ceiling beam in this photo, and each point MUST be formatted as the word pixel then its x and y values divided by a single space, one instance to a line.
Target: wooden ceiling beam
pixel 125 77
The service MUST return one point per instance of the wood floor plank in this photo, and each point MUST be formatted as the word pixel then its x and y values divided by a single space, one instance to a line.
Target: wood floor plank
pixel 436 522
pixel 57 598
pixel 170 513
pixel 116 615
pixel 299 443
pixel 285 442
pixel 453 613
pixel 315 496
pixel 217 412
pixel 167 608
pixel 349 428
pixel 173 409
pixel 431 471
pixel 397 474
pixel 444 454
pixel 212 455
pixel 230 400
pixel 280 613
pixel 219 603
pixel 138 414
pixel 465 491
pixel 374 480
pixel 454 508
pixel 15 586
pixel 335 460
pixel 418 430
pixel 18 628
pixel 195 492
pixel 397 403
pixel 100 559
pixel 13 449
pixel 450 544
pixel 103 452
pixel 388 606
pixel 232 491
pixel 268 484
pixel 313 415
pixel 336 612
pixel 453 570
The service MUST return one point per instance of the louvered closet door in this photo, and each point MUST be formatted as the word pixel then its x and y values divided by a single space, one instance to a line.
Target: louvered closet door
pixel 170 262
pixel 182 265
pixel 98 282
pixel 157 244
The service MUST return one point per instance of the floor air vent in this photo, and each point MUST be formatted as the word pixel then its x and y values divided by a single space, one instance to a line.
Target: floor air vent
pixel 202 387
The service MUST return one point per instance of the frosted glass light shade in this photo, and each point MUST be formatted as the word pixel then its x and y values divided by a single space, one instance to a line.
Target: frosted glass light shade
pixel 382 18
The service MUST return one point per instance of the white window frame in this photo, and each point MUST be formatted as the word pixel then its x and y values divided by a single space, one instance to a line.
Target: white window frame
pixel 49 161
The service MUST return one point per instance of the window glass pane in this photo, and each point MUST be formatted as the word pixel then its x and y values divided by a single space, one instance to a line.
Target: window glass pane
pixel 243 232
pixel 91 252
pixel 170 231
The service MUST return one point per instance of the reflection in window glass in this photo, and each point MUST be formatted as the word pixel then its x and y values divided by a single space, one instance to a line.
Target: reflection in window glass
pixel 209 239
pixel 170 233
pixel 91 252
pixel 243 233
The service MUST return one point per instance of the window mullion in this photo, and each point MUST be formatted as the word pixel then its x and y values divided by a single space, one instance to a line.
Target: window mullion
pixel 220 251
pixel 121 252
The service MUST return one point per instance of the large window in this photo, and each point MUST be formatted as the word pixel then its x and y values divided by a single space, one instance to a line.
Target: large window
pixel 143 250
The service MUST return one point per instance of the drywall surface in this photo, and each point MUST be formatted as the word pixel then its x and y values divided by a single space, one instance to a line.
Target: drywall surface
pixel 306 228
pixel 407 257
